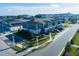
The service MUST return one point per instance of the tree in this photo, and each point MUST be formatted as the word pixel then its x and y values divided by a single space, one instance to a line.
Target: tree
pixel 68 46
pixel 38 16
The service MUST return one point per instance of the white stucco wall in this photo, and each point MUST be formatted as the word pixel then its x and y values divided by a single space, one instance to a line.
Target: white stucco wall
pixel 16 28
pixel 33 31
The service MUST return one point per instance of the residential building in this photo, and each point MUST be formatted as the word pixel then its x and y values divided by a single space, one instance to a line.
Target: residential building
pixel 37 25
pixel 12 25
pixel 33 26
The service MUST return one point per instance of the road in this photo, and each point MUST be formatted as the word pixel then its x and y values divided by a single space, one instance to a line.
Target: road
pixel 56 47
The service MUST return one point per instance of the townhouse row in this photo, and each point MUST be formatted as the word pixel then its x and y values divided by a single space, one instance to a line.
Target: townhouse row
pixel 35 25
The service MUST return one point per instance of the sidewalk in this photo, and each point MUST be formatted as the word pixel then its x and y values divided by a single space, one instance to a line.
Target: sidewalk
pixel 4 34
pixel 76 46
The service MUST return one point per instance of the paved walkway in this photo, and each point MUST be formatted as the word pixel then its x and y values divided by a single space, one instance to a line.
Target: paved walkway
pixel 76 46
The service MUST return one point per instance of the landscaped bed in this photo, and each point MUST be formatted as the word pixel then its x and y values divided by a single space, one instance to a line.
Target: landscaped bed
pixel 29 44
pixel 32 40
pixel 66 25
pixel 41 41
pixel 33 43
pixel 74 51
pixel 18 49
pixel 76 38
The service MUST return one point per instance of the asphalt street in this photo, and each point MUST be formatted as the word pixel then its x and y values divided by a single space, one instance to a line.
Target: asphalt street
pixel 56 47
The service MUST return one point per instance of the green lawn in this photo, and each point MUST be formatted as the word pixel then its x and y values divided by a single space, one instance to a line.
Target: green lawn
pixel 18 49
pixel 66 25
pixel 54 33
pixel 33 43
pixel 41 41
pixel 41 36
pixel 76 38
pixel 30 44
pixel 75 41
pixel 74 51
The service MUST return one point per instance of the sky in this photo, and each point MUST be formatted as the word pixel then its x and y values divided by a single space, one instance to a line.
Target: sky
pixel 38 8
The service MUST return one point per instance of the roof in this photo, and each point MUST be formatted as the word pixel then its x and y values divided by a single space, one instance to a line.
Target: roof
pixel 43 20
pixel 33 22
pixel 38 21
pixel 14 22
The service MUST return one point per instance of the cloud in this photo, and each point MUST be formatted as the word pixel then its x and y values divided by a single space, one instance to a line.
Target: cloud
pixel 53 9
pixel 55 5
pixel 28 10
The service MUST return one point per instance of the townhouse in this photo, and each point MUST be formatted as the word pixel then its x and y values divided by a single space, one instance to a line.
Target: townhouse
pixel 12 25
pixel 39 25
